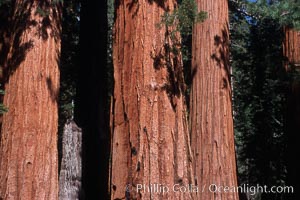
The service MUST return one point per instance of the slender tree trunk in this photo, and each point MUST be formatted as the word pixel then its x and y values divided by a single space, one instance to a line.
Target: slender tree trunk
pixel 70 173
pixel 28 149
pixel 150 140
pixel 292 52
pixel 210 106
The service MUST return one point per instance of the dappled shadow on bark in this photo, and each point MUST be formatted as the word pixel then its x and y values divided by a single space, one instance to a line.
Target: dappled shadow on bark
pixel 221 56
pixel 14 50
pixel 52 89
pixel 160 3
pixel 11 59
pixel 16 20
pixel 4 47
pixel 169 56
pixel 135 4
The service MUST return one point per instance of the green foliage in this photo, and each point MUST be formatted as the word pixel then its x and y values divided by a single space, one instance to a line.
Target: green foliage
pixel 286 13
pixel 3 109
pixel 57 1
pixel 293 74
pixel 259 85
pixel 42 12
pixel 188 15
pixel 69 60
pixel 184 17
pixel 109 67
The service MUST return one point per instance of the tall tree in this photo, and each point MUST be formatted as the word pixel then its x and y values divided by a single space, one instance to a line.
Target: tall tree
pixel 150 140
pixel 210 102
pixel 292 53
pixel 28 149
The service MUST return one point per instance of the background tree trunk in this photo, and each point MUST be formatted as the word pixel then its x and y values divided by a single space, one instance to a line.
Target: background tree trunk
pixel 28 150
pixel 150 141
pixel 292 52
pixel 291 47
pixel 70 173
pixel 210 106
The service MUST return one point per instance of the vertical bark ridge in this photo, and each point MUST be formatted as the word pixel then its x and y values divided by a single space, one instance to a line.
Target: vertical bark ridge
pixel 28 148
pixel 291 47
pixel 150 141
pixel 211 112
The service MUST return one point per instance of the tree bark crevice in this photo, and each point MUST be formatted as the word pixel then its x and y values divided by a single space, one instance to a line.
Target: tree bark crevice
pixel 150 144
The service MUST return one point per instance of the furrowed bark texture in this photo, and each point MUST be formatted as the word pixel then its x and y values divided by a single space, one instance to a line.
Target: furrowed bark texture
pixel 28 149
pixel 291 46
pixel 292 52
pixel 150 141
pixel 211 112
pixel 70 173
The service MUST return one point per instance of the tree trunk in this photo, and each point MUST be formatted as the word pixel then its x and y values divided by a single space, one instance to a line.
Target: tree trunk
pixel 70 173
pixel 150 140
pixel 292 52
pixel 291 47
pixel 211 105
pixel 28 150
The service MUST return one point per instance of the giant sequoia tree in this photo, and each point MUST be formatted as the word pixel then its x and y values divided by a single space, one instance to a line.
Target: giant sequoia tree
pixel 150 141
pixel 292 47
pixel 210 106
pixel 28 150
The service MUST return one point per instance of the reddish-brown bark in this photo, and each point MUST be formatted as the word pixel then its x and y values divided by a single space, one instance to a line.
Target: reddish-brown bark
pixel 28 149
pixel 150 140
pixel 291 46
pixel 211 110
